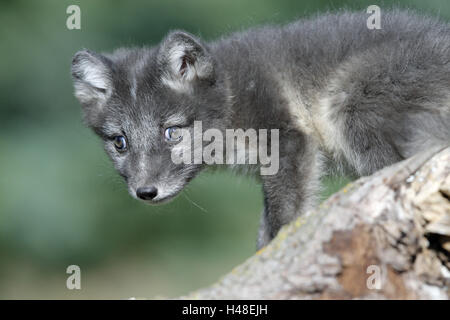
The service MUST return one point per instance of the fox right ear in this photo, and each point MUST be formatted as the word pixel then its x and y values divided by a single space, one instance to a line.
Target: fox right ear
pixel 92 80
pixel 185 60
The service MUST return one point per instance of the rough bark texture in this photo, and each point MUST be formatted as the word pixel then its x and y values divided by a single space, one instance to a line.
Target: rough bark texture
pixel 396 221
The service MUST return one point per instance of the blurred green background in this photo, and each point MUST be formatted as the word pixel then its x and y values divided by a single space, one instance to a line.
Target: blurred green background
pixel 61 203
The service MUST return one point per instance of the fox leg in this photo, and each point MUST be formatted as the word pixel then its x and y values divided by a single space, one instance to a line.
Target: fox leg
pixel 293 189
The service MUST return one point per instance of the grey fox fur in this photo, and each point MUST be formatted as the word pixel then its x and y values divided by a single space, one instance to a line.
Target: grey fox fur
pixel 336 90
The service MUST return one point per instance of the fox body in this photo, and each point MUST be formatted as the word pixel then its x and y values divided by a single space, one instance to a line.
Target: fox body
pixel 337 92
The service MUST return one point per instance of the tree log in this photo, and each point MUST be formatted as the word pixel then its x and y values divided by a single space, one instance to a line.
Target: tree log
pixel 386 236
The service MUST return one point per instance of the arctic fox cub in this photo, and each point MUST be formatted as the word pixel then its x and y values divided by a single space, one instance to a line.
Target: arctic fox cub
pixel 332 88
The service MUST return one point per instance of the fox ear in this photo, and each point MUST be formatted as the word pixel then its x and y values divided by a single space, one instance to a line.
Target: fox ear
pixel 92 80
pixel 185 60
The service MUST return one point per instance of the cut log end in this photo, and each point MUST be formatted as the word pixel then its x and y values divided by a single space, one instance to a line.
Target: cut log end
pixel 386 236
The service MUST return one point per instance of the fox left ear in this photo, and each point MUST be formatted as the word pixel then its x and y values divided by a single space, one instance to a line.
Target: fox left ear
pixel 184 60
pixel 92 80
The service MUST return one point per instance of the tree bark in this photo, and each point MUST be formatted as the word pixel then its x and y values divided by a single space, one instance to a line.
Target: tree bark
pixel 386 236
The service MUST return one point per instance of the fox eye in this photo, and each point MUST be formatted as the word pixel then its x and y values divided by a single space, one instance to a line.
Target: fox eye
pixel 173 134
pixel 120 143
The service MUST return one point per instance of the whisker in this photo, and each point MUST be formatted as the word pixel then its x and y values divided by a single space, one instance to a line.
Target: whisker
pixel 191 201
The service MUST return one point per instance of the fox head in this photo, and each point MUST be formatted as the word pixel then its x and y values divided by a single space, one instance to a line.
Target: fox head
pixel 139 100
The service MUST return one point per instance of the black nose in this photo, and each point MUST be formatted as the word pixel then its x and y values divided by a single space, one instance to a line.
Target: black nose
pixel 147 193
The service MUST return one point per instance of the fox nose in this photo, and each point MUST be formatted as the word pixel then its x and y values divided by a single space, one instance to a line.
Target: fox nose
pixel 146 193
